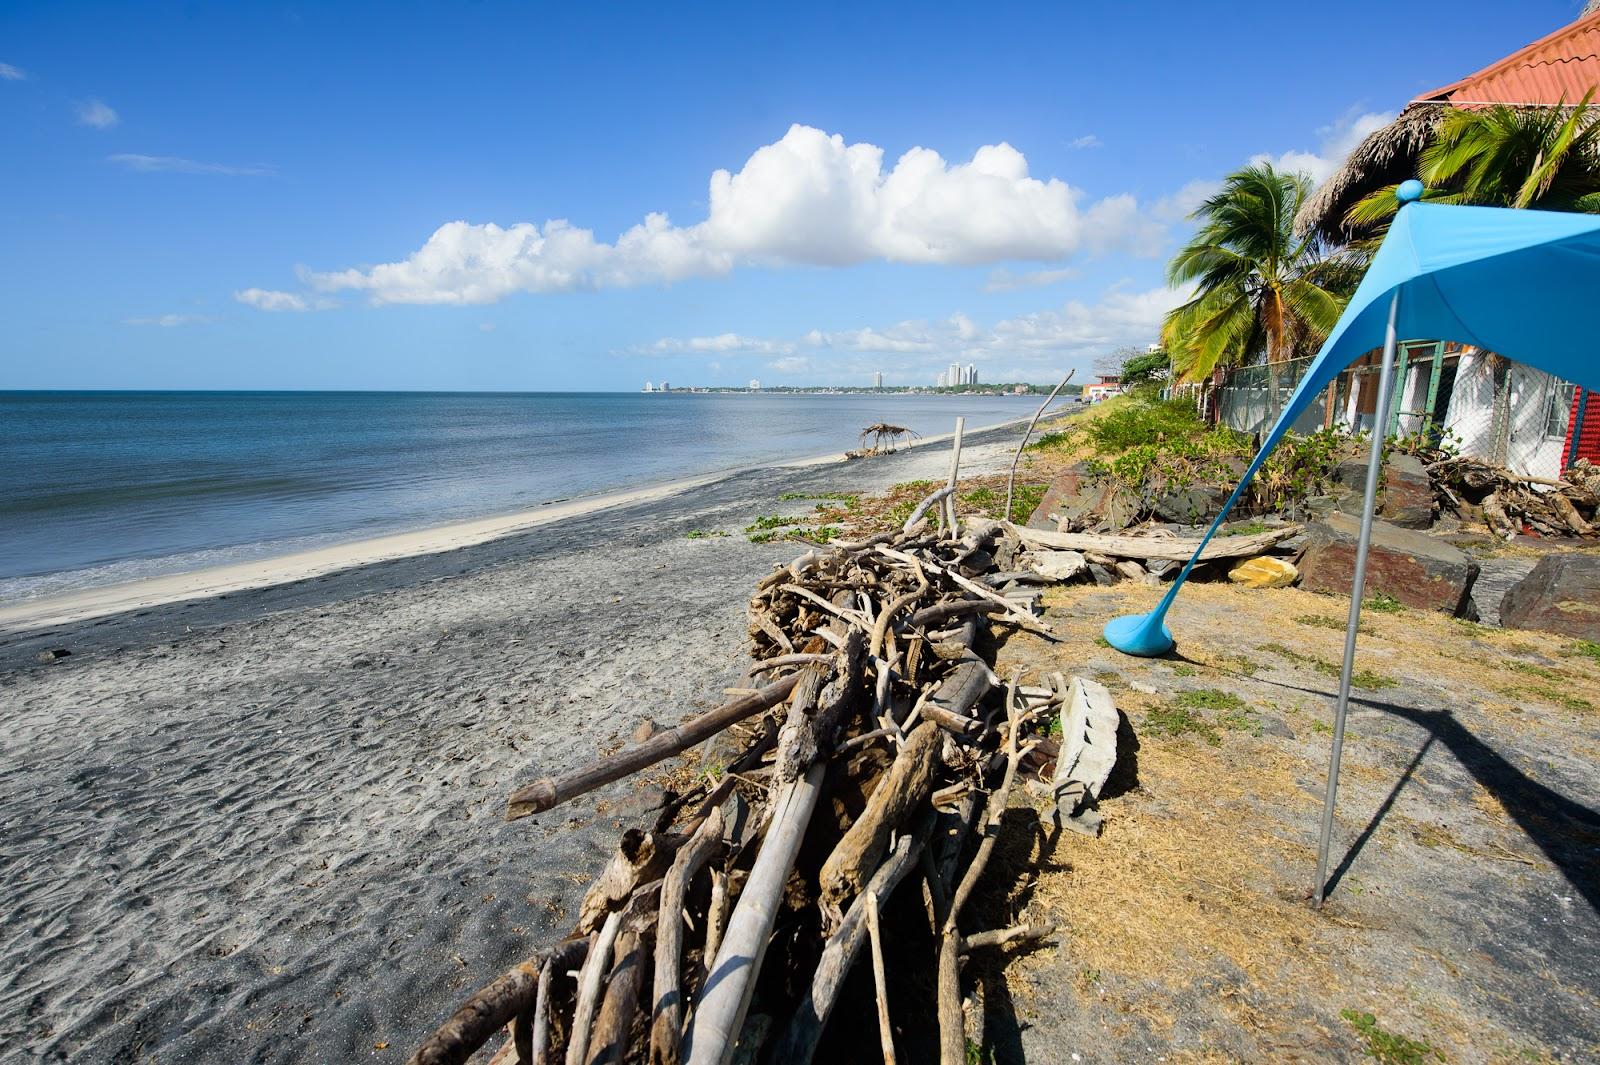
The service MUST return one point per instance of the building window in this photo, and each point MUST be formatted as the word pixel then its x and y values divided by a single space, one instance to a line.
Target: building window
pixel 1560 409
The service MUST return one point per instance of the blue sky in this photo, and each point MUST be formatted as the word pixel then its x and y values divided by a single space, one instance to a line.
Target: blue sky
pixel 248 196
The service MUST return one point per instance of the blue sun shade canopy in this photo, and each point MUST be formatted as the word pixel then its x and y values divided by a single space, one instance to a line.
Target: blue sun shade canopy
pixel 1522 284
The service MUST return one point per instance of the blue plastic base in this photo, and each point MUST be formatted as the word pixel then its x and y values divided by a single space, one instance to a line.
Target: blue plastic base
pixel 1144 635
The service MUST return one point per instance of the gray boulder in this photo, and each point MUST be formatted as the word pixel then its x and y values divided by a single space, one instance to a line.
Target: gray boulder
pixel 1415 569
pixel 1561 594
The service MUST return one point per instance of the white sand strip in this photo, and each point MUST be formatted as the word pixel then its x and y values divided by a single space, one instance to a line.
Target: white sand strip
pixel 86 603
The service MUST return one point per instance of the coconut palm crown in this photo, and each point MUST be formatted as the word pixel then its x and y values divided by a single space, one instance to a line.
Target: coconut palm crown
pixel 1259 290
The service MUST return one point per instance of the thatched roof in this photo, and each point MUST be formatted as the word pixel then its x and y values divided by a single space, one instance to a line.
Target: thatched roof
pixel 1387 157
pixel 1553 71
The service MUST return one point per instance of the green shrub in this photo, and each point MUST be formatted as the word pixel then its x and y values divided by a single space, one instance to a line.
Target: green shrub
pixel 772 521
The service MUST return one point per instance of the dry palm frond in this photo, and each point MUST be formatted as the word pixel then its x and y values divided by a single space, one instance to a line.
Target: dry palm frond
pixel 884 437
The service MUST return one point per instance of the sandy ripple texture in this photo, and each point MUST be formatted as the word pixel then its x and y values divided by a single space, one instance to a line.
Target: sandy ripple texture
pixel 269 827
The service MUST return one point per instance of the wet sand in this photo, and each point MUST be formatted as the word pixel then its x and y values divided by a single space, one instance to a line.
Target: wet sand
pixel 268 825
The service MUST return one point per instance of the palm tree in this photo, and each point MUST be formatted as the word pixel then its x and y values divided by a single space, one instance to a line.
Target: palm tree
pixel 1545 157
pixel 1259 289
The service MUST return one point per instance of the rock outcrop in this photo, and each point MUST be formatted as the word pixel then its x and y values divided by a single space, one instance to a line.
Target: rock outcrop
pixel 1415 569
pixel 1561 594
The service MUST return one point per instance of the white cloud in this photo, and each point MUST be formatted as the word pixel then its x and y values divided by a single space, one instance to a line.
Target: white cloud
pixel 721 344
pixel 1088 140
pixel 808 198
pixel 1032 344
pixel 169 321
pixel 267 300
pixel 97 113
pixel 11 73
pixel 1181 204
pixel 486 327
pixel 1337 140
pixel 150 164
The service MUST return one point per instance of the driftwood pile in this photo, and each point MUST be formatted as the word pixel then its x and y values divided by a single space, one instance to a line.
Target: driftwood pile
pixel 1512 505
pixel 874 748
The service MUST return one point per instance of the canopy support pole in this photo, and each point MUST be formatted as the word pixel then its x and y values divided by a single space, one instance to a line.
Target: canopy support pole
pixel 1357 587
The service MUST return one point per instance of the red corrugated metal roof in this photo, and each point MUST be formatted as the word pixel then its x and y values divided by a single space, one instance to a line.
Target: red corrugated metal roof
pixel 1556 69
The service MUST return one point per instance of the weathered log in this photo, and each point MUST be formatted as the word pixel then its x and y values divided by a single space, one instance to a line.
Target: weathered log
pixel 553 791
pixel 492 1008
pixel 641 857
pixel 608 1043
pixel 1170 549
pixel 933 615
pixel 667 994
pixel 720 1013
pixel 716 921
pixel 539 1038
pixel 962 689
pixel 595 967
pixel 902 790
pixel 799 1040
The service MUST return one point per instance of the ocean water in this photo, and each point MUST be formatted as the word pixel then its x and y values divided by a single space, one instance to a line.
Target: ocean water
pixel 102 487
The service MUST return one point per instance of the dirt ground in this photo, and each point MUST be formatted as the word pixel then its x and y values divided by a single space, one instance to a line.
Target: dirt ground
pixel 1461 924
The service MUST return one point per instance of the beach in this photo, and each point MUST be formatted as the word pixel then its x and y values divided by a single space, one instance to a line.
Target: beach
pixel 267 824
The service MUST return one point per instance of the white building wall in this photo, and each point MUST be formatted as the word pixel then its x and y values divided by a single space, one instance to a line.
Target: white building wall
pixel 1533 449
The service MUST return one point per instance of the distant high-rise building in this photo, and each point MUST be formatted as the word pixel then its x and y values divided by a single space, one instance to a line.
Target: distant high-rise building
pixel 648 387
pixel 755 385
pixel 939 382
pixel 877 379
pixel 953 375
pixel 665 387
pixel 972 374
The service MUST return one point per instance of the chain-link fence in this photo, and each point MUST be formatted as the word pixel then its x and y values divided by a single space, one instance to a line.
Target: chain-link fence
pixel 1474 402
pixel 1245 401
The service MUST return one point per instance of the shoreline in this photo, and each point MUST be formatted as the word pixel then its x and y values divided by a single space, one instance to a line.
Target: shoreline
pixel 97 601
pixel 301 788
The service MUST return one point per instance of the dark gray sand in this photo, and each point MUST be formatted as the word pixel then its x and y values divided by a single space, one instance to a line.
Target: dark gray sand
pixel 268 826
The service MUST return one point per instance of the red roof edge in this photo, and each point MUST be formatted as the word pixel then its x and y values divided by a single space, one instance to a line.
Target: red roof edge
pixel 1578 27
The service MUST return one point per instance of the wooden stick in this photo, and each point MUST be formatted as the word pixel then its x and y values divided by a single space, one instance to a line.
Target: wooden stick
pixel 553 791
pixel 1000 937
pixel 885 1031
pixel 922 508
pixel 1026 620
pixel 1011 479
pixel 932 615
pixel 716 921
pixel 595 967
pixel 787 660
pixel 714 1029
pixel 952 1021
pixel 881 629
pixel 1170 549
pixel 491 1008
pixel 955 472
pixel 539 1045
pixel 667 995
